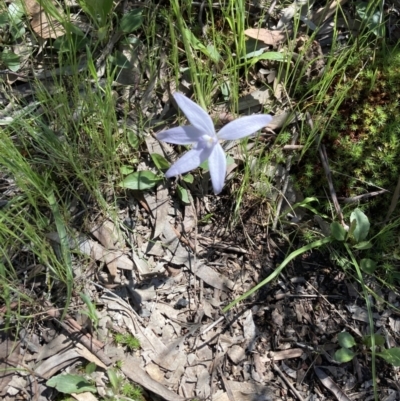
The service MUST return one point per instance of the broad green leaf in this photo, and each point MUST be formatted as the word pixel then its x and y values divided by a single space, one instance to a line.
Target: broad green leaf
pixel 353 225
pixel 160 162
pixel 379 340
pixel 391 355
pixel 195 43
pixel 188 178
pixel 10 60
pixel 276 56
pixel 112 375
pixel 337 231
pixel 363 245
pixel 15 12
pixel 373 20
pixel 125 170
pixel 120 60
pixel 141 180
pixel 213 53
pixel 98 9
pixel 346 340
pixel 362 225
pixel 69 384
pixel 368 265
pixel 131 21
pixel 204 165
pixel 4 19
pixel 343 355
pixel 90 368
pixel 229 160
pixel 225 90
pixel 133 139
pixel 183 194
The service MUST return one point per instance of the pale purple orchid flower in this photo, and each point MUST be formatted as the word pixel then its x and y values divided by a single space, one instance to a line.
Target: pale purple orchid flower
pixel 205 141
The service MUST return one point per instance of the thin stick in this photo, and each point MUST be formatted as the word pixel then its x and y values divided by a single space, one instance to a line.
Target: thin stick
pixel 325 164
pixel 395 199
pixel 290 385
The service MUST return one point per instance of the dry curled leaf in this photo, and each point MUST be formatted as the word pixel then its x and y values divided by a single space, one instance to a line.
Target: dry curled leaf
pixel 272 38
pixel 42 23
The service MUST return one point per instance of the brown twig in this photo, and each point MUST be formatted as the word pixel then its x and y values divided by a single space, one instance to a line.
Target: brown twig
pixel 325 164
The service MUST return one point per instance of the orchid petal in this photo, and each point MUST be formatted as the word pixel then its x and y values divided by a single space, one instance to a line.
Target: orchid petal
pixel 244 126
pixel 189 161
pixel 180 135
pixel 195 114
pixel 217 166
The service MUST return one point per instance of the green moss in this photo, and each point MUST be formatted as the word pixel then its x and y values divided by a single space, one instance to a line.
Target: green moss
pixel 363 139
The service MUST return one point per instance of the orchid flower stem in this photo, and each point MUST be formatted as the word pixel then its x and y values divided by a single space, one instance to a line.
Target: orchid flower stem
pixel 277 271
pixel 370 318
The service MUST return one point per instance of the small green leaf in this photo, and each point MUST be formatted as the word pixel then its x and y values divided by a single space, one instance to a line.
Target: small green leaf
pixel 337 231
pixel 69 384
pixel 4 19
pixel 15 12
pixel 141 180
pixel 346 340
pixel 183 194
pixel 379 340
pixel 343 355
pixel 391 355
pixel 112 375
pixel 362 225
pixel 160 162
pixel 90 368
pixel 276 56
pixel 119 59
pixel 188 178
pixel 368 265
pixel 131 21
pixel 373 21
pixel 213 53
pixel 125 170
pixel 133 139
pixel 363 245
pixel 229 160
pixel 204 165
pixel 10 60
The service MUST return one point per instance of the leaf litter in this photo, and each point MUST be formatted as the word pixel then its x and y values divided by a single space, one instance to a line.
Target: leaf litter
pixel 168 293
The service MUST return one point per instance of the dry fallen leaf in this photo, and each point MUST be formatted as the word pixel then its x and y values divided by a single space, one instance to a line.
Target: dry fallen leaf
pixel 42 23
pixel 272 38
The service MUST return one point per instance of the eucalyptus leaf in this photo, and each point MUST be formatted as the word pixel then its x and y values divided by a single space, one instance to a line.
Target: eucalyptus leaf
pixel 69 384
pixel 141 180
